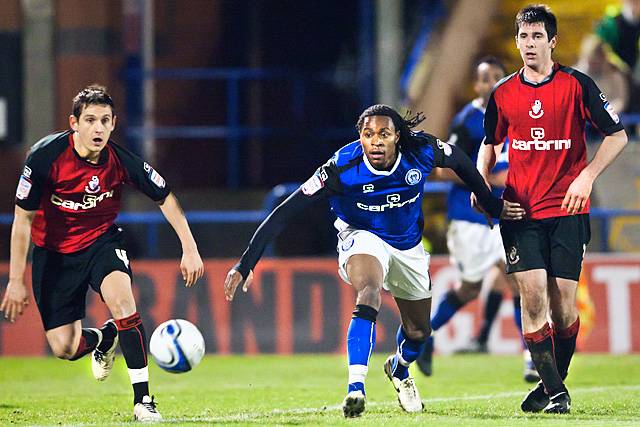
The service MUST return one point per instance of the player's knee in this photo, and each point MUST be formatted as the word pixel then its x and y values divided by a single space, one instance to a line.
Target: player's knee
pixel 122 307
pixel 366 285
pixel 63 350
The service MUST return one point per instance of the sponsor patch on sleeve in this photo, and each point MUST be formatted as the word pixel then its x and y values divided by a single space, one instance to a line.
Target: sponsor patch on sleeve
pixel 24 188
pixel 313 185
pixel 157 179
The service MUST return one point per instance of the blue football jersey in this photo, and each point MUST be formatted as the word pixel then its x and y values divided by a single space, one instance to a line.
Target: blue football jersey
pixel 386 203
pixel 467 133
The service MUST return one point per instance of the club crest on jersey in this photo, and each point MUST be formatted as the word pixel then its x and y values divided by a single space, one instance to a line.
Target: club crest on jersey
pixel 413 177
pixel 93 186
pixel 368 188
pixel 536 110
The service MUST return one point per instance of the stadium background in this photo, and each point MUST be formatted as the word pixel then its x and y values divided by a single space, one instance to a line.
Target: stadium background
pixel 228 99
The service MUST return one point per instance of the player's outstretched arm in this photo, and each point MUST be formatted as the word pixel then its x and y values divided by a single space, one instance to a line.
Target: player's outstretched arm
pixel 580 189
pixel 455 159
pixel 242 272
pixel 16 297
pixel 191 264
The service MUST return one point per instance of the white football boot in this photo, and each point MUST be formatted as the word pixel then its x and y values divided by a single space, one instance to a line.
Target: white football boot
pixel 102 362
pixel 353 404
pixel 408 395
pixel 146 411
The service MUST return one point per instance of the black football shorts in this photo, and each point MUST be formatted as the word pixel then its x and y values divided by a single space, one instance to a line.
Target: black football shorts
pixel 556 245
pixel 61 281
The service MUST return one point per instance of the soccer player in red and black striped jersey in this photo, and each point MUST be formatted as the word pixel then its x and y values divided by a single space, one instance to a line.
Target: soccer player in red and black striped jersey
pixel 68 197
pixel 543 110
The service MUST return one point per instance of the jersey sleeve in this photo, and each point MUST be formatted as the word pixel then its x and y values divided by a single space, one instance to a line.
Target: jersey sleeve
pixel 326 179
pixel 598 110
pixel 460 137
pixel 273 224
pixel 450 156
pixel 322 184
pixel 32 181
pixel 141 175
pixel 495 123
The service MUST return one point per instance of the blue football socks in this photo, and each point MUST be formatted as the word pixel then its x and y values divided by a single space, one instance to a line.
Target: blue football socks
pixel 448 306
pixel 407 351
pixel 361 339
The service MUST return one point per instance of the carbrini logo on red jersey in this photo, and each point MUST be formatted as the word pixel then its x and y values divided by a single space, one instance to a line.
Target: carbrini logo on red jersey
pixel 538 142
pixel 89 201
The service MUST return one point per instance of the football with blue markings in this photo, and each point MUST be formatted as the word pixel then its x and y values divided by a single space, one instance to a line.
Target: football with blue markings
pixel 177 346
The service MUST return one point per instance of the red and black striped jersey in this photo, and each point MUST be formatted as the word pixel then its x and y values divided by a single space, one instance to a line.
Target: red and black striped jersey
pixel 545 124
pixel 77 201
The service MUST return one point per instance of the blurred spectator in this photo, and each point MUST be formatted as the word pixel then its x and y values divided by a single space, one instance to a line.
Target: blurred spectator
pixel 620 29
pixel 613 81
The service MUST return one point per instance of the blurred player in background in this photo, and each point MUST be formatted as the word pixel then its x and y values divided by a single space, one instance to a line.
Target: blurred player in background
pixel 542 110
pixel 375 189
pixel 68 197
pixel 475 248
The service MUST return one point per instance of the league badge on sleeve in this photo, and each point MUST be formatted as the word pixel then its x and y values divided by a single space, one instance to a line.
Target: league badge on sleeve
pixel 444 147
pixel 612 112
pixel 24 188
pixel 312 185
pixel 154 176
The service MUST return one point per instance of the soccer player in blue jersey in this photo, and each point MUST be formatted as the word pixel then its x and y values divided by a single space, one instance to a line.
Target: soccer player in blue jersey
pixel 375 186
pixel 475 248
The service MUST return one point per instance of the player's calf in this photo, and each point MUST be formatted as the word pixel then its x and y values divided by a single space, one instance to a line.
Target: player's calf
pixel 133 343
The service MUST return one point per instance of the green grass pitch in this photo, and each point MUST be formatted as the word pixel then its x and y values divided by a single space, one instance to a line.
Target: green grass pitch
pixel 307 390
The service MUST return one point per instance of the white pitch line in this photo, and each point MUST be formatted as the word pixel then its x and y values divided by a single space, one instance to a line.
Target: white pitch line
pixel 383 404
pixel 308 411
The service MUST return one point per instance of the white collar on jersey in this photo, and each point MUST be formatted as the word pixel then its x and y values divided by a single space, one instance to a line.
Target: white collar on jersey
pixel 477 104
pixel 378 172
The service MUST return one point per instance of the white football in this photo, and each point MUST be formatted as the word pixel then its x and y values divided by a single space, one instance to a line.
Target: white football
pixel 177 346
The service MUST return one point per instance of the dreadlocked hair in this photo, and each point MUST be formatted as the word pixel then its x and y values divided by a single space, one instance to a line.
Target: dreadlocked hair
pixel 402 124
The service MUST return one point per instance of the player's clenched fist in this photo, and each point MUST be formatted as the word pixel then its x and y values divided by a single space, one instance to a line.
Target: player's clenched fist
pixel 233 280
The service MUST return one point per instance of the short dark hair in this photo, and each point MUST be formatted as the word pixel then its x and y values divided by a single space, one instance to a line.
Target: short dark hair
pixel 402 124
pixel 535 13
pixel 91 95
pixel 491 60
